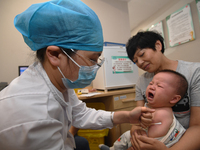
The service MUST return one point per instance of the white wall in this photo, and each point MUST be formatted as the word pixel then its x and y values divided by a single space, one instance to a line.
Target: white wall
pixel 114 19
pixel 14 52
pixel 188 51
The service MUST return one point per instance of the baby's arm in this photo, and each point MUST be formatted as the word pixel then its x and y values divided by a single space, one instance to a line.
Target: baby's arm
pixel 163 115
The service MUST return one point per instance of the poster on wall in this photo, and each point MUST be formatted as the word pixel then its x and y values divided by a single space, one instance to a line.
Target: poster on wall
pixel 157 27
pixel 198 8
pixel 121 64
pixel 180 26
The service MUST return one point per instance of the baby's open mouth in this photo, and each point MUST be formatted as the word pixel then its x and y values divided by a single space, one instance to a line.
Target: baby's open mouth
pixel 150 95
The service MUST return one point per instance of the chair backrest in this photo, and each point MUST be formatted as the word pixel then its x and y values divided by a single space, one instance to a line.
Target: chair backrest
pixel 3 85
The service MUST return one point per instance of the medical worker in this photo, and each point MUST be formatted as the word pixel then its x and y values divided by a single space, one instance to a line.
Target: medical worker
pixel 38 108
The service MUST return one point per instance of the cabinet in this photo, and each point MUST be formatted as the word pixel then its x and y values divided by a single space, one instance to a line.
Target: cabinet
pixel 115 100
pixel 117 66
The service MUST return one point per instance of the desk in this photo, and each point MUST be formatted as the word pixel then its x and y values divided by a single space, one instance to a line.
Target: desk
pixel 114 100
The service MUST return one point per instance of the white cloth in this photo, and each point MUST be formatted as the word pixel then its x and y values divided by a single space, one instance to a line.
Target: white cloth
pixel 174 134
pixel 34 115
pixel 123 142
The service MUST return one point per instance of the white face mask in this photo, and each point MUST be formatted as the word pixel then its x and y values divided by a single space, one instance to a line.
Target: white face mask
pixel 86 75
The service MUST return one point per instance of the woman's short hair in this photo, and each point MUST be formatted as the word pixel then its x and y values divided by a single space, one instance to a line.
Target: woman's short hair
pixel 143 39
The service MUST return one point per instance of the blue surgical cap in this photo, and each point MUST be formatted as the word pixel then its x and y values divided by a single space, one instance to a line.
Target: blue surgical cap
pixel 65 23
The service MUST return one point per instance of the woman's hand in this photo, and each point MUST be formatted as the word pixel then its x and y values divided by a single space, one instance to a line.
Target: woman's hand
pixel 140 141
pixel 130 148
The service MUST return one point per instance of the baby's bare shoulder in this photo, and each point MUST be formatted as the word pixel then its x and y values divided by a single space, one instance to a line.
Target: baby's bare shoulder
pixel 163 112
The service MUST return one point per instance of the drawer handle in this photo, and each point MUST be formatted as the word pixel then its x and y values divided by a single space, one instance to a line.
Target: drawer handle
pixel 128 100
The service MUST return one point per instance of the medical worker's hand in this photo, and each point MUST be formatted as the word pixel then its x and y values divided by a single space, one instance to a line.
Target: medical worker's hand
pixel 141 116
pixel 141 142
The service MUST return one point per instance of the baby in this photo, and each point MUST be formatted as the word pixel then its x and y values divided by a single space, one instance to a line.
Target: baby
pixel 164 91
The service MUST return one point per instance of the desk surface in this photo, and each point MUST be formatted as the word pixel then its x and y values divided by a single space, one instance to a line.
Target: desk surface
pixel 108 93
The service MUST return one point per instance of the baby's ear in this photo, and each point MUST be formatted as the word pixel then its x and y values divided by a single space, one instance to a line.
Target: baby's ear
pixel 175 99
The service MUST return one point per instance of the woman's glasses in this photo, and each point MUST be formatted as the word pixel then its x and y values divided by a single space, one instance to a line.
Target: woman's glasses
pixel 99 62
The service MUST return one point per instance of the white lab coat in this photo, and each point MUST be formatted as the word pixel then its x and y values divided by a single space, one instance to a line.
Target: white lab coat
pixel 34 115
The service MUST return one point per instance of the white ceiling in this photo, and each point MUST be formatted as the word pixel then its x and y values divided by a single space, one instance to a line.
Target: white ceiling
pixel 140 10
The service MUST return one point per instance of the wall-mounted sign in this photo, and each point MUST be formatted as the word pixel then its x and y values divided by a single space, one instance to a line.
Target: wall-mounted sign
pixel 121 64
pixel 198 8
pixel 180 26
pixel 158 27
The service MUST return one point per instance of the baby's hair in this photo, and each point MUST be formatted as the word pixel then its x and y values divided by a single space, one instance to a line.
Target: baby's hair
pixel 181 84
